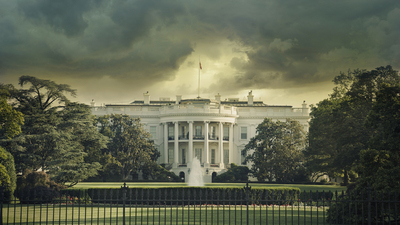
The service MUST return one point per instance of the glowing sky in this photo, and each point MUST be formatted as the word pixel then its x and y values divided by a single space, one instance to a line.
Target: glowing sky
pixel 113 51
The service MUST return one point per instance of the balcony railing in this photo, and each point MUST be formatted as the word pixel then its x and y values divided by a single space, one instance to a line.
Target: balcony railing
pixel 183 137
pixel 198 137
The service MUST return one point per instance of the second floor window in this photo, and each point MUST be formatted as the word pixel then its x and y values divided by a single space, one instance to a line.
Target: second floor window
pixel 198 131
pixel 153 132
pixel 170 132
pixel 243 132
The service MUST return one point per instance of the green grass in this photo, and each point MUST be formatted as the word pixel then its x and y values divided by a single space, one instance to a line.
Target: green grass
pixel 303 187
pixel 104 214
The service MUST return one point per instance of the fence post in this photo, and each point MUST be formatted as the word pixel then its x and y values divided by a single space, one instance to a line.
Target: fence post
pixel 369 204
pixel 124 189
pixel 247 189
pixel 1 204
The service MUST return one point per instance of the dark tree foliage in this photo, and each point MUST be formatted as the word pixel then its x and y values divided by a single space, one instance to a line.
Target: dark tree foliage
pixel 10 125
pixel 337 132
pixel 379 166
pixel 57 136
pixel 130 145
pixel 276 152
pixel 234 174
pixel 156 172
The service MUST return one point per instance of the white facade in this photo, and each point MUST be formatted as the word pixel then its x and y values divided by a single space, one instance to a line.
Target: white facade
pixel 212 130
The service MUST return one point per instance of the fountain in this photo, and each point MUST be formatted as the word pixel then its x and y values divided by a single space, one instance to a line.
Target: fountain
pixel 195 173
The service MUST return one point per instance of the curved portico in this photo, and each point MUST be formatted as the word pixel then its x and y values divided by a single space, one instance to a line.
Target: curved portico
pixel 197 128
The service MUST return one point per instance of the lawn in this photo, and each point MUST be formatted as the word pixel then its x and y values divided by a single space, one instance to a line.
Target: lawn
pixel 303 187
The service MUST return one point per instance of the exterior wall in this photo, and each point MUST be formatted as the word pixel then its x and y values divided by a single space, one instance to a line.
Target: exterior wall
pixel 170 122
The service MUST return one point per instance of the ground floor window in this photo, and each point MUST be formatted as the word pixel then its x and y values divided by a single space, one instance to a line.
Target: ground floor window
pixel 170 155
pixel 183 156
pixel 226 157
pixel 242 156
pixel 212 156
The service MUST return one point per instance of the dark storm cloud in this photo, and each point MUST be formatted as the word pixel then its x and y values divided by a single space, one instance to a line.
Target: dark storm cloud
pixel 63 16
pixel 321 39
pixel 284 43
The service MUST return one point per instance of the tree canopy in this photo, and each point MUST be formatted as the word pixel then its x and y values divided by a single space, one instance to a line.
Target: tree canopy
pixel 338 133
pixel 275 152
pixel 57 134
pixel 379 165
pixel 130 144
pixel 10 125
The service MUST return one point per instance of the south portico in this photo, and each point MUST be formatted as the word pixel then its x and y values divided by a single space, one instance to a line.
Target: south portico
pixel 203 137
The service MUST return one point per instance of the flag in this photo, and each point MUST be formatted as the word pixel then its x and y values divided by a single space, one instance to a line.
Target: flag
pixel 200 65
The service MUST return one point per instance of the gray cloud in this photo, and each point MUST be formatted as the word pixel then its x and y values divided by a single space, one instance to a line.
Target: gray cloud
pixel 284 44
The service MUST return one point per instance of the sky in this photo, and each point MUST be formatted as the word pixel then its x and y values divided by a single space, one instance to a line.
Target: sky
pixel 113 51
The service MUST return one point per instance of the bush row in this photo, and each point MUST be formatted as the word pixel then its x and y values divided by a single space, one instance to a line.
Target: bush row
pixel 196 195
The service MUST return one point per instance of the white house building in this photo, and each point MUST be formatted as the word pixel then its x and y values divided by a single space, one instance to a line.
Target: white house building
pixel 213 130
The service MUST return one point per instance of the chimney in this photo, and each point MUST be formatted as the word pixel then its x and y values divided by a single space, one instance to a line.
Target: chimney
pixel 218 97
pixel 250 98
pixel 304 109
pixel 178 99
pixel 146 97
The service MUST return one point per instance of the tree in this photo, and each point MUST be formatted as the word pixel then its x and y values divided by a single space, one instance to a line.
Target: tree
pixel 8 176
pixel 129 144
pixel 380 163
pixel 10 119
pixel 276 150
pixel 10 125
pixel 79 157
pixel 337 132
pixel 58 134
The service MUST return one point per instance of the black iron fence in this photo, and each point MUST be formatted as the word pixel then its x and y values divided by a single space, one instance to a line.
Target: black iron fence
pixel 211 206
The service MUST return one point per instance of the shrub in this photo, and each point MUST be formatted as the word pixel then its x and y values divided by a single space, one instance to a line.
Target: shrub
pixel 353 208
pixel 234 174
pixel 196 195
pixel 159 173
pixel 36 182
pixel 38 195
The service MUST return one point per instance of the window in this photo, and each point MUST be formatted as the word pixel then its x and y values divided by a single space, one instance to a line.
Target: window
pixel 243 132
pixel 198 153
pixel 198 131
pixel 170 155
pixel 213 132
pixel 171 133
pixel 226 157
pixel 243 156
pixel 183 156
pixel 212 156
pixel 226 133
pixel 153 132
pixel 183 130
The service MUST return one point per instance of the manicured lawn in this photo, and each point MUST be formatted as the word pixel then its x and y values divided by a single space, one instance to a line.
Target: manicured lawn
pixel 303 187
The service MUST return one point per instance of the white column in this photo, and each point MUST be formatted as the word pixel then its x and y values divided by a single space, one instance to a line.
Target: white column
pixel 190 154
pixel 165 143
pixel 221 145
pixel 231 143
pixel 206 155
pixel 176 145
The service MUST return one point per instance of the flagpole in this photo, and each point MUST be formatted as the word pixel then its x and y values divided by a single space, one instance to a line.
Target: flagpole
pixel 198 89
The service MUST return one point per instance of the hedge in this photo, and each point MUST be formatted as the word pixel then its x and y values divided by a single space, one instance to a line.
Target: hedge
pixel 195 195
